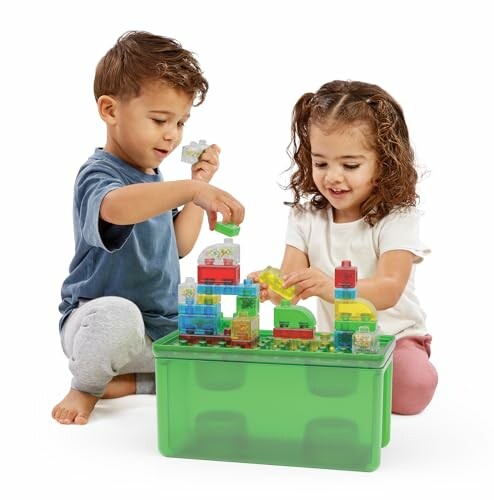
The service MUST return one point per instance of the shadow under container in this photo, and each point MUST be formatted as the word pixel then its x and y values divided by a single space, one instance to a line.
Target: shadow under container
pixel 299 408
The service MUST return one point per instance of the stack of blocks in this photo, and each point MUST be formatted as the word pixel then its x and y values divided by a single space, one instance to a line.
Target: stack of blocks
pixel 355 319
pixel 200 319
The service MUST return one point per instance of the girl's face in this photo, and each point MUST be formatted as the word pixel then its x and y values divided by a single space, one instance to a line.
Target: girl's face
pixel 343 169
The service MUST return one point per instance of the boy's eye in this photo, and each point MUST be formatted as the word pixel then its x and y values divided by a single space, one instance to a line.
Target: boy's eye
pixel 159 122
pixel 181 124
pixel 351 166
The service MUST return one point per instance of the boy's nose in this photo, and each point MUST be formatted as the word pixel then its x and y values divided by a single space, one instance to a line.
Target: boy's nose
pixel 171 134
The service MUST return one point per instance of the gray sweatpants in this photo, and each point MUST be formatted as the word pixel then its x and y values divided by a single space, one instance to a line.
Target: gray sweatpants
pixel 105 337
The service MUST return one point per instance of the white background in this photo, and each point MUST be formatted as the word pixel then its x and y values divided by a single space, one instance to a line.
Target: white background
pixel 434 57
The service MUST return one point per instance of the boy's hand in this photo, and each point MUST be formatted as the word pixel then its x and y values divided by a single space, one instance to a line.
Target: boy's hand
pixel 214 200
pixel 208 164
pixel 310 282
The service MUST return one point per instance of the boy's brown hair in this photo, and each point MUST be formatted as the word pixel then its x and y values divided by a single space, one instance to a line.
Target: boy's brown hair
pixel 138 58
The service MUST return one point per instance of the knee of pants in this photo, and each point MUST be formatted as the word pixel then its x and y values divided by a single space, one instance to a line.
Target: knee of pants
pixel 108 323
pixel 414 380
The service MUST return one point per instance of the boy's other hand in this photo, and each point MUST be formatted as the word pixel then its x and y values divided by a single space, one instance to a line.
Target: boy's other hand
pixel 214 200
pixel 208 164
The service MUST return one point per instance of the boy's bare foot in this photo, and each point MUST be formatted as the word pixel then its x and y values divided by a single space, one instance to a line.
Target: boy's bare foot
pixel 74 408
pixel 121 385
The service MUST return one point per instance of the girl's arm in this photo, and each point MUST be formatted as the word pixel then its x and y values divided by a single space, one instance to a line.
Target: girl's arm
pixel 385 288
pixel 293 260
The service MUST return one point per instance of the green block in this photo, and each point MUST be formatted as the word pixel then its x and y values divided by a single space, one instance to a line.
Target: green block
pixel 250 305
pixel 289 316
pixel 227 229
pixel 353 326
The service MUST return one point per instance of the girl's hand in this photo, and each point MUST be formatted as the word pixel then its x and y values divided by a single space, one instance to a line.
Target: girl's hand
pixel 208 164
pixel 310 282
pixel 265 293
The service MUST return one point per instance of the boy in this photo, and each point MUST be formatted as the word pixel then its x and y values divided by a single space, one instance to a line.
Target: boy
pixel 121 292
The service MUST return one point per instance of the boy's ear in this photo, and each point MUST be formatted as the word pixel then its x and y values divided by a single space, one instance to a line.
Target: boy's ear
pixel 107 109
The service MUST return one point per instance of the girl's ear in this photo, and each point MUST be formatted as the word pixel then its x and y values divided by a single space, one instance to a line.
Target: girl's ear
pixel 107 106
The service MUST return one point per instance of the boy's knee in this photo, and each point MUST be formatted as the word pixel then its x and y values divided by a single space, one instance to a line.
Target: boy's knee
pixel 115 317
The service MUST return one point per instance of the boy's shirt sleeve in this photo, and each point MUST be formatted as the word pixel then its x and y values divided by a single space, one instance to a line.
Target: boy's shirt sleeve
pixel 400 230
pixel 91 188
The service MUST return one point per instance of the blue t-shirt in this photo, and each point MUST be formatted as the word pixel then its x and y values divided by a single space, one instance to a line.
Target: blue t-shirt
pixel 138 262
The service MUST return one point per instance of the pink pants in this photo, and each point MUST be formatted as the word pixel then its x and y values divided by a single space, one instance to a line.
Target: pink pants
pixel 414 376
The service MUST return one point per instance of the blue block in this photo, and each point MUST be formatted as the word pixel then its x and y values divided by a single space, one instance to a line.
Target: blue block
pixel 345 293
pixel 343 341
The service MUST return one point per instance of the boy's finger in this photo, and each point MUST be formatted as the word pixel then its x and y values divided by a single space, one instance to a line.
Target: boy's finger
pixel 212 219
pixel 237 211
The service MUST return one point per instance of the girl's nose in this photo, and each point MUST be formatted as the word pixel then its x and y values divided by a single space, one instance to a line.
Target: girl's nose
pixel 334 176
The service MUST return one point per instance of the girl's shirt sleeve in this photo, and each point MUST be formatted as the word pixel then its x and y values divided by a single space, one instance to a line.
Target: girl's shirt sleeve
pixel 400 230
pixel 298 229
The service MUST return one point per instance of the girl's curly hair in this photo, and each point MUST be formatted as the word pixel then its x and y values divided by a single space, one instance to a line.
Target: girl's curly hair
pixel 139 57
pixel 342 103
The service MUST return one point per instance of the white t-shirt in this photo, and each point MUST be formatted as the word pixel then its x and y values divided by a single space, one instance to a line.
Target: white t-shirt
pixel 327 243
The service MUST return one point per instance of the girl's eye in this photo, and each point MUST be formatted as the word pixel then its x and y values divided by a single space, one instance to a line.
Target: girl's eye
pixel 320 165
pixel 351 166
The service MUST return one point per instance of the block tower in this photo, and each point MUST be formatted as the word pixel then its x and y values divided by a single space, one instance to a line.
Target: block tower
pixel 355 319
pixel 200 319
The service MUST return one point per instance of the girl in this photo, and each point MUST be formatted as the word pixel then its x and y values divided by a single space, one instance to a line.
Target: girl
pixel 354 163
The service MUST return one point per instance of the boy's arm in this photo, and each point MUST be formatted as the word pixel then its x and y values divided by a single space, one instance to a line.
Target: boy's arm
pixel 139 202
pixel 189 221
pixel 385 288
pixel 187 227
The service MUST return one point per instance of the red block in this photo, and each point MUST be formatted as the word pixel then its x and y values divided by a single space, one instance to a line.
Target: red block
pixel 294 333
pixel 345 276
pixel 218 275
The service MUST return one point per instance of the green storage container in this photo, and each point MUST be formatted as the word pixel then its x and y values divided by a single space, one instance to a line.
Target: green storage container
pixel 300 408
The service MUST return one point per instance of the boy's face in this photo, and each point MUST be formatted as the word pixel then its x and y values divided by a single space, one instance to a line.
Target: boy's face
pixel 144 130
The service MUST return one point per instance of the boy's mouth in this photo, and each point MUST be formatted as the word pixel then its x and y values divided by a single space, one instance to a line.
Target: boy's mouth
pixel 161 152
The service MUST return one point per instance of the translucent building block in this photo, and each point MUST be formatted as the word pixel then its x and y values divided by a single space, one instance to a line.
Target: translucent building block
pixel 363 340
pixel 343 341
pixel 187 291
pixel 345 276
pixel 226 253
pixel 272 277
pixel 245 327
pixel 228 229
pixel 191 152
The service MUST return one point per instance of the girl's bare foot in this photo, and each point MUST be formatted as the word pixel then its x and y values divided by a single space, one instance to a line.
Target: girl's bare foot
pixel 121 385
pixel 74 408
